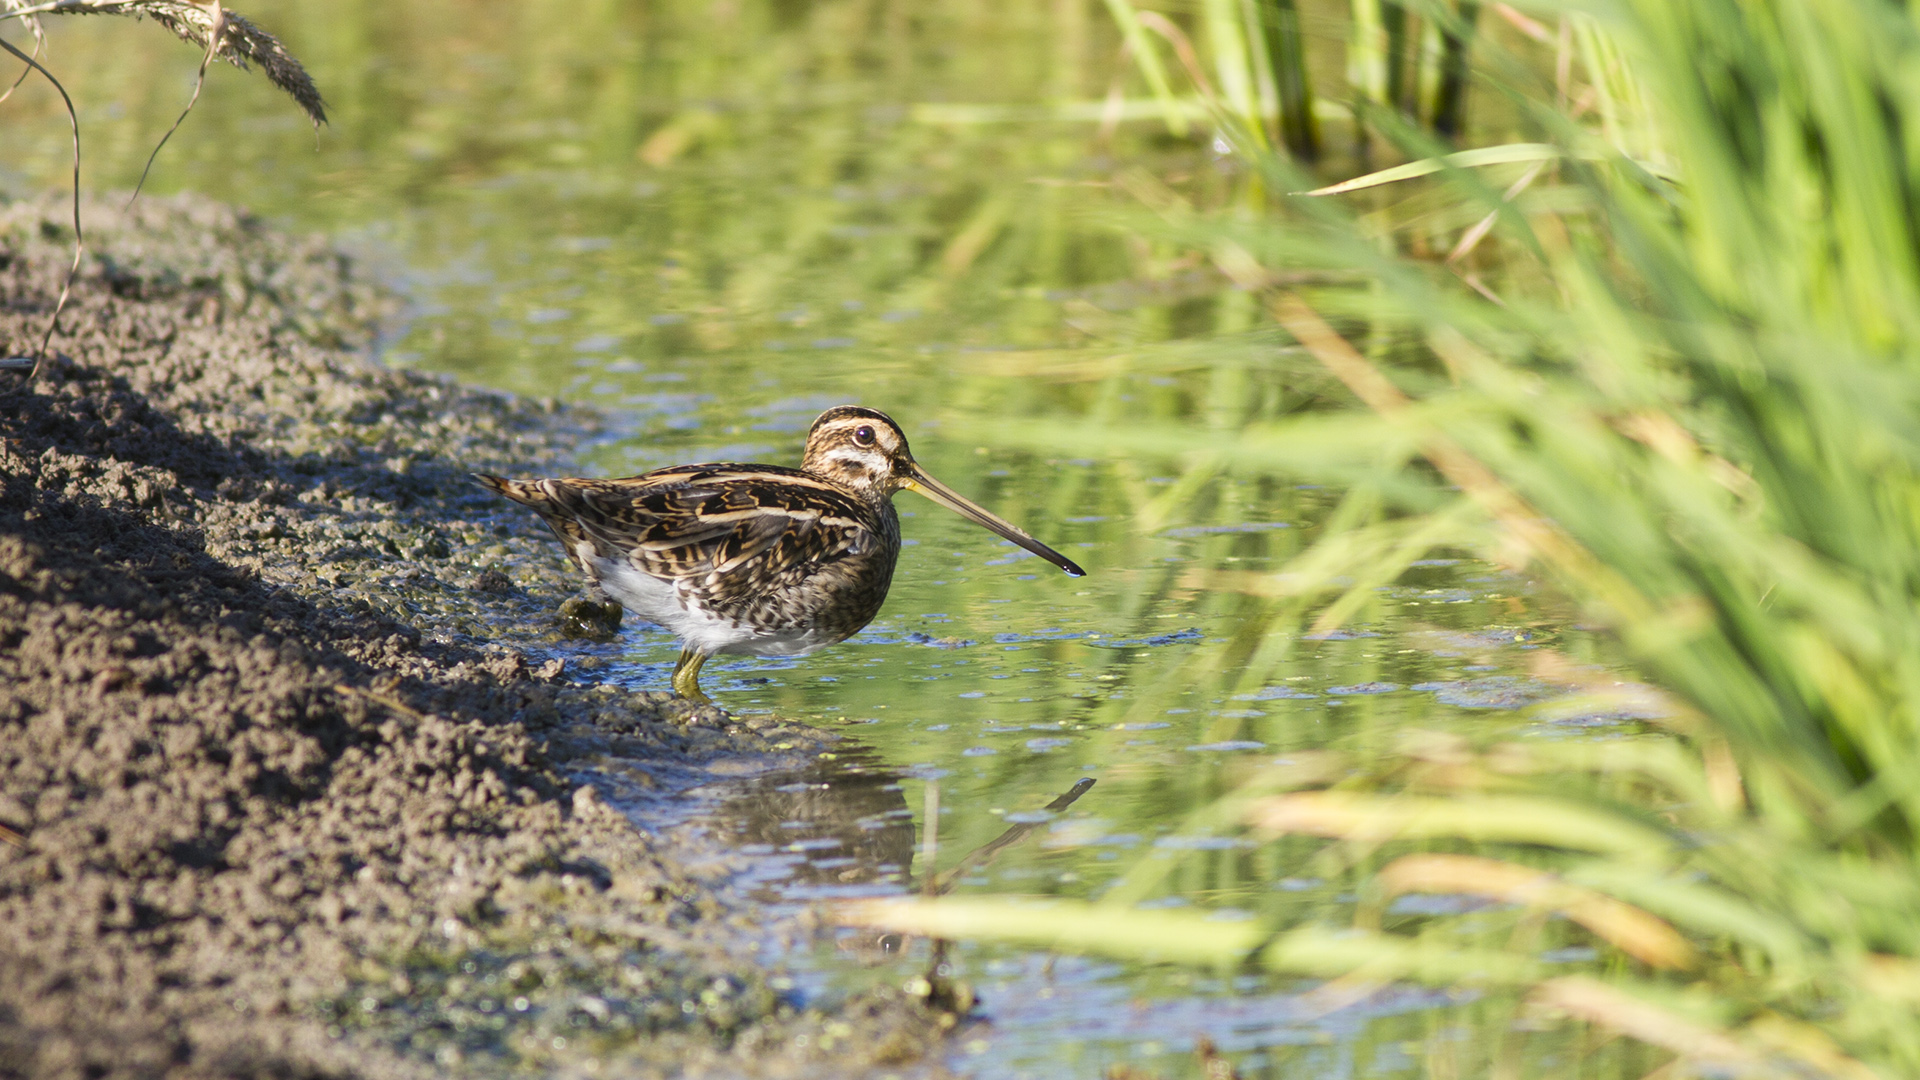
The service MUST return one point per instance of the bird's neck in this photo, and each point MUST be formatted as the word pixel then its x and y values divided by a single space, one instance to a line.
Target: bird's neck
pixel 863 487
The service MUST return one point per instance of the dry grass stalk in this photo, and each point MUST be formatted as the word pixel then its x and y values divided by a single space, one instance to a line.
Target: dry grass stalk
pixel 39 42
pixel 215 32
pixel 79 238
pixel 229 36
pixel 208 24
pixel 1645 937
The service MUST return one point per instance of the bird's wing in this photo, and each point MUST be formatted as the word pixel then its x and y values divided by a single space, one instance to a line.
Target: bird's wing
pixel 721 524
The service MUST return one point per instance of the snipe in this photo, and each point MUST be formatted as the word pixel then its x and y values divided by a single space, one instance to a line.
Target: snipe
pixel 754 559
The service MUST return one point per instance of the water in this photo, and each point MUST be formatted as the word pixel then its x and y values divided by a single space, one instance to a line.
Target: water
pixel 712 221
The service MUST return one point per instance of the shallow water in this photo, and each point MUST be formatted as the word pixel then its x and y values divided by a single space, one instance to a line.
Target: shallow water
pixel 713 220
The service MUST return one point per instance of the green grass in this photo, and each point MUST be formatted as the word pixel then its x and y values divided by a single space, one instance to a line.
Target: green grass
pixel 1691 408
pixel 1693 405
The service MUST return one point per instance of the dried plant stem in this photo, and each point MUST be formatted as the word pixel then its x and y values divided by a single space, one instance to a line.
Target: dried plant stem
pixel 24 72
pixel 930 847
pixel 79 238
pixel 1182 48
pixel 200 80
pixel 39 42
pixel 1472 237
pixel 943 883
pixel 386 701
pixel 38 9
pixel 205 24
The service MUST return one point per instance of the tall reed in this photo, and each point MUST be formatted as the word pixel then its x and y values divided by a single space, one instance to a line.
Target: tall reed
pixel 1694 407
pixel 1248 62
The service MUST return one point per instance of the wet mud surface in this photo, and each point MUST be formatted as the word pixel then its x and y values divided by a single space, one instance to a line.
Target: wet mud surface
pixel 291 785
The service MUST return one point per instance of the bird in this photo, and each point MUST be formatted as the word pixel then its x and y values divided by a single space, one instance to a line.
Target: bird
pixel 760 560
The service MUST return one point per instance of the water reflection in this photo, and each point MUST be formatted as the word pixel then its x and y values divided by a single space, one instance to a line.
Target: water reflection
pixel 711 221
pixel 981 857
pixel 842 829
pixel 834 830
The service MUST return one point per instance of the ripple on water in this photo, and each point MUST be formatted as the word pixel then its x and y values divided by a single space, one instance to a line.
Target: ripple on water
pixel 1463 642
pixel 1491 692
pixel 1178 637
pixel 1215 530
pixel 1276 693
pixel 1340 635
pixel 917 638
pixel 1220 747
pixel 1201 843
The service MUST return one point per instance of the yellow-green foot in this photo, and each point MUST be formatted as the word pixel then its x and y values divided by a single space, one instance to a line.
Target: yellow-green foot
pixel 686 677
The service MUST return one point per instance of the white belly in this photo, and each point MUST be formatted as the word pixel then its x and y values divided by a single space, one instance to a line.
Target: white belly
pixel 659 602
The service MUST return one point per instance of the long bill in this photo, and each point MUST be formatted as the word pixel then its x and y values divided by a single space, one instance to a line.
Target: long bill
pixel 967 508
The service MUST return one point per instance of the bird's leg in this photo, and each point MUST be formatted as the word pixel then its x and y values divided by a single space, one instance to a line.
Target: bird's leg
pixel 686 676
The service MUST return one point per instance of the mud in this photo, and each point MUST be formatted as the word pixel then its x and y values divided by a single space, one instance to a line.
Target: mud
pixel 293 785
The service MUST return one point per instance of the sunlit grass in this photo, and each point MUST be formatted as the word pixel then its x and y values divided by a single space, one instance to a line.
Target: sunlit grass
pixel 1691 406
pixel 1676 383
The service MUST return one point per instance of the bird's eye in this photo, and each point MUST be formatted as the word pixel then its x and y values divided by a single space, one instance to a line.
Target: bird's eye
pixel 863 436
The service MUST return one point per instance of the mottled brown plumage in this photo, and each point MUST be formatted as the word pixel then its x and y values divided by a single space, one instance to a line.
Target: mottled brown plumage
pixel 754 559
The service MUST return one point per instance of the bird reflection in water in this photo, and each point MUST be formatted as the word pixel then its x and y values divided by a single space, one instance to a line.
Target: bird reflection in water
pixel 842 826
pixel 847 829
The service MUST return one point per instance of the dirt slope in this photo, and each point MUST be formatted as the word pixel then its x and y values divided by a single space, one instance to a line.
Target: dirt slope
pixel 283 806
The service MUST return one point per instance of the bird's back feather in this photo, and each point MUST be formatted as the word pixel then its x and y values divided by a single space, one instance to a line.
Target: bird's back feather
pixel 754 542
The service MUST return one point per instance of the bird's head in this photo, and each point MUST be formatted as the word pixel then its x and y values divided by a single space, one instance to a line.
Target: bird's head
pixel 864 450
pixel 858 448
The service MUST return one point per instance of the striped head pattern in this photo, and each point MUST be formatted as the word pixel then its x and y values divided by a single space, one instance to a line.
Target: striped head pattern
pixel 858 448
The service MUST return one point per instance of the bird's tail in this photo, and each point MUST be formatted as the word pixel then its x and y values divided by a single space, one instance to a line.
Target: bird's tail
pixel 520 491
pixel 540 495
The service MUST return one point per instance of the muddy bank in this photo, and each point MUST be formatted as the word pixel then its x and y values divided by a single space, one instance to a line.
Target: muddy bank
pixel 293 788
